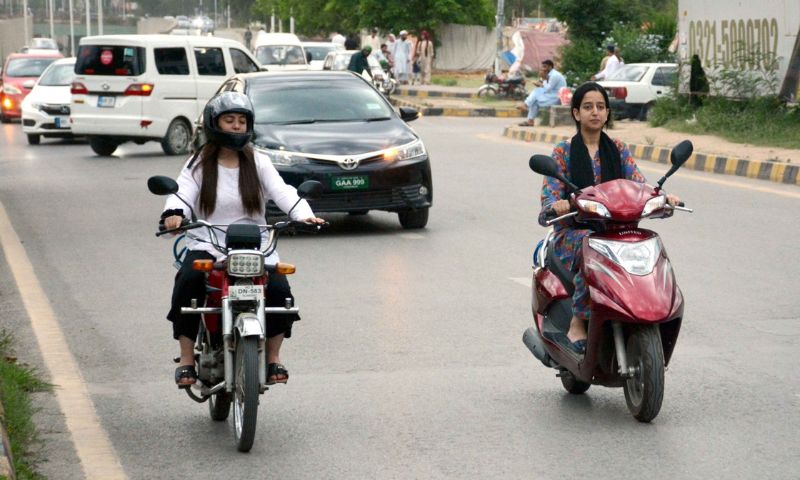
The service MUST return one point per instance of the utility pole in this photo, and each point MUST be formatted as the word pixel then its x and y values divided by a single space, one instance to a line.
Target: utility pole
pixel 499 26
pixel 51 4
pixel 25 20
pixel 99 17
pixel 291 20
pixel 71 32
pixel 88 18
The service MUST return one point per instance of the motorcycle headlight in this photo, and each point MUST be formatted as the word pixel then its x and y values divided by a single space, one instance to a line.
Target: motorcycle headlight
pixel 637 258
pixel 594 207
pixel 654 204
pixel 246 265
pixel 406 152
pixel 284 159
pixel 9 89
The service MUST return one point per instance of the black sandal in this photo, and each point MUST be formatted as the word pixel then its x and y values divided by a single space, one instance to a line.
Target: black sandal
pixel 275 369
pixel 185 371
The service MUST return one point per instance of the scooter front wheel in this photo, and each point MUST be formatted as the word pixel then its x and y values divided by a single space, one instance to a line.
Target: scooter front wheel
pixel 644 390
pixel 572 384
pixel 246 390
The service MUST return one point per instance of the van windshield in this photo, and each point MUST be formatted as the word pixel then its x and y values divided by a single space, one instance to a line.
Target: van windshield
pixel 280 55
pixel 113 60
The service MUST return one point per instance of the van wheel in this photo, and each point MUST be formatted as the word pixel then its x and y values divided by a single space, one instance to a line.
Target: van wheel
pixel 102 147
pixel 34 139
pixel 176 141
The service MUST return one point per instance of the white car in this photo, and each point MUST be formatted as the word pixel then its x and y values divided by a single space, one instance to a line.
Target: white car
pixel 46 110
pixel 318 51
pixel 634 88
pixel 340 59
pixel 280 51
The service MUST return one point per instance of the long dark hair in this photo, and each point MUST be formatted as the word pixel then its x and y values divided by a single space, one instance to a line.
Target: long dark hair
pixel 581 92
pixel 249 183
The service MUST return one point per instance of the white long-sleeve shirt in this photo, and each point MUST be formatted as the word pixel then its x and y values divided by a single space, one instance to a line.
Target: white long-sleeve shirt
pixel 612 65
pixel 229 208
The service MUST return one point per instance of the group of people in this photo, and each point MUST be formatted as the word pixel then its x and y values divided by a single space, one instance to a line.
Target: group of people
pixel 551 82
pixel 410 59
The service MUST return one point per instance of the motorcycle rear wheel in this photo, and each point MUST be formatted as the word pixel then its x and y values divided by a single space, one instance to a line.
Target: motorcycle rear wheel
pixel 644 391
pixel 246 391
pixel 219 405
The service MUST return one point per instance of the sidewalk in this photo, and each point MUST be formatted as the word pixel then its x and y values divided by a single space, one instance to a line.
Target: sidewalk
pixel 712 154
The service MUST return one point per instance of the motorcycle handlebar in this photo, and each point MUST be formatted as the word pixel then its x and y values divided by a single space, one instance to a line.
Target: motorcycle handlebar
pixel 185 225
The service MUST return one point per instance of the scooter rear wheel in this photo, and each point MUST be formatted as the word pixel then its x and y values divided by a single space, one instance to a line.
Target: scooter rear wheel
pixel 572 384
pixel 644 391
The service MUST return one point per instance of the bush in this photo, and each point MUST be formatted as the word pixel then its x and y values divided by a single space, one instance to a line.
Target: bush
pixel 579 59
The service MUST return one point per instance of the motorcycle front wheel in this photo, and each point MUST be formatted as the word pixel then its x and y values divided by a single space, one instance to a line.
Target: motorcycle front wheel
pixel 487 91
pixel 246 390
pixel 644 391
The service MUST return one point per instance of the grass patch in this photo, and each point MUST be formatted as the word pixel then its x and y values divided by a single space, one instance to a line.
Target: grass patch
pixel 763 121
pixel 17 382
pixel 465 80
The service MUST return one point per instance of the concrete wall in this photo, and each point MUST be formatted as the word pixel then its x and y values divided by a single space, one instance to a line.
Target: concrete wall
pixel 12 33
pixel 146 26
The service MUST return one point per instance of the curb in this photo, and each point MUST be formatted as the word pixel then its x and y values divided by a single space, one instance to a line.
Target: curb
pixel 762 170
pixel 6 463
pixel 410 92
pixel 456 112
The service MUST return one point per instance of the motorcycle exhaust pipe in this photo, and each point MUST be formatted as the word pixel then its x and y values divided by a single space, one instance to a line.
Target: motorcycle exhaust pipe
pixel 532 340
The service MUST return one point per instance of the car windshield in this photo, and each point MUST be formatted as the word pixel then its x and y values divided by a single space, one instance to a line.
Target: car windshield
pixel 346 100
pixel 28 67
pixel 280 55
pixel 341 61
pixel 628 73
pixel 44 43
pixel 58 75
pixel 319 52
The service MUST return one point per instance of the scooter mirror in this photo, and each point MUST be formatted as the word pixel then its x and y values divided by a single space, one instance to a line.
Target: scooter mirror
pixel 544 165
pixel 310 189
pixel 161 185
pixel 681 152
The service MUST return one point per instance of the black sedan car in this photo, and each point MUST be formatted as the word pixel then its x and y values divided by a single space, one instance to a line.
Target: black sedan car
pixel 334 127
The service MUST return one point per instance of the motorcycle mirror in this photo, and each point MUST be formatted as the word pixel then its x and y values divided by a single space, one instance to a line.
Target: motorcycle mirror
pixel 545 165
pixel 161 185
pixel 680 153
pixel 310 190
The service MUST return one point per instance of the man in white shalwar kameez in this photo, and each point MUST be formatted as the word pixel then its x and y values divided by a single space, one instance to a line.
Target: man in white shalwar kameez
pixel 402 58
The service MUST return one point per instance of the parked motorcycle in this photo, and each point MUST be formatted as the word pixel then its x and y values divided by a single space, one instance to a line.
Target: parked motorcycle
pixel 231 354
pixel 636 305
pixel 386 84
pixel 501 87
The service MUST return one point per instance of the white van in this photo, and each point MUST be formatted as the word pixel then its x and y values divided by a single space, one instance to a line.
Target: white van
pixel 280 51
pixel 149 87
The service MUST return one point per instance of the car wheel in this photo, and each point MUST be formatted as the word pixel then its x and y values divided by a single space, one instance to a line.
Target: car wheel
pixel 644 113
pixel 102 146
pixel 4 119
pixel 177 139
pixel 34 139
pixel 413 219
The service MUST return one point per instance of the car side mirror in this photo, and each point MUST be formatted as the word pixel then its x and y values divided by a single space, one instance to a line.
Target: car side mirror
pixel 408 114
pixel 310 190
pixel 263 68
pixel 29 84
pixel 161 185
pixel 309 57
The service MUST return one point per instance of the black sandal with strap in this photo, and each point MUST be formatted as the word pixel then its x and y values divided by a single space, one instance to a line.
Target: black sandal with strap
pixel 185 371
pixel 275 369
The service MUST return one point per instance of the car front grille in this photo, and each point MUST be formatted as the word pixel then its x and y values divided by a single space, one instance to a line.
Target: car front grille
pixel 393 199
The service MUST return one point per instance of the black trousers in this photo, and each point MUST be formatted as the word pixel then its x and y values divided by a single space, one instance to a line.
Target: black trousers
pixel 191 284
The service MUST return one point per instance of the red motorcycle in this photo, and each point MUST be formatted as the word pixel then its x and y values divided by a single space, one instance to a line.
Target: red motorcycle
pixel 498 86
pixel 636 305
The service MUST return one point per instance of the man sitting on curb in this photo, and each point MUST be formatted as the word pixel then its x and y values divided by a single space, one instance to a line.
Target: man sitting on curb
pixel 543 96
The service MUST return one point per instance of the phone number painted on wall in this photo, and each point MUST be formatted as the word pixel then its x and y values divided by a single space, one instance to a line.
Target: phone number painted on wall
pixel 750 44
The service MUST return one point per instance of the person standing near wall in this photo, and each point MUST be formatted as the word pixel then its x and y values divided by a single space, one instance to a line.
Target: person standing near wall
pixel 424 56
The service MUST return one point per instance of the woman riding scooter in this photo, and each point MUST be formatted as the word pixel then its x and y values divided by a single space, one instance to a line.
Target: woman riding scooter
pixel 589 158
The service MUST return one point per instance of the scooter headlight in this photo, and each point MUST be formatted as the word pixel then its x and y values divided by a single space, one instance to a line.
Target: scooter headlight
pixel 594 207
pixel 654 204
pixel 637 258
pixel 246 265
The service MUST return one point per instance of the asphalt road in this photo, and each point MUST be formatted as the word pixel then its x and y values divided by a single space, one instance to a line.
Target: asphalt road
pixel 408 362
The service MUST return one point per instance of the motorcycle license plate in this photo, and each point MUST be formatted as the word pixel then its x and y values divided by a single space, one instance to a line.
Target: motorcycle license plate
pixel 245 292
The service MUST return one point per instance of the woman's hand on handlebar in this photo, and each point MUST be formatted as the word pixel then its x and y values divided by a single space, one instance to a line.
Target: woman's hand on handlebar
pixel 172 222
pixel 674 200
pixel 561 207
pixel 314 220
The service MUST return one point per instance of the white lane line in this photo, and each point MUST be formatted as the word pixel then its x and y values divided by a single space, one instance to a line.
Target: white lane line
pixel 412 236
pixel 524 281
pixel 94 449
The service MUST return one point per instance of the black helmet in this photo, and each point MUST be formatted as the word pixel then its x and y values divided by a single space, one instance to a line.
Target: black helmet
pixel 227 102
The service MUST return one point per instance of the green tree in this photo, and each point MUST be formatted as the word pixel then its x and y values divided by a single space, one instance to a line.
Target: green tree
pixel 593 19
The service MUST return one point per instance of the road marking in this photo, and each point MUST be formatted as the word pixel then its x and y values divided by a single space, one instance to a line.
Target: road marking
pixel 94 449
pixel 688 174
pixel 412 236
pixel 524 281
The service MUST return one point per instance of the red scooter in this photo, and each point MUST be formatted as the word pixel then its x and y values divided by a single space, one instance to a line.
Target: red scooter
pixel 636 305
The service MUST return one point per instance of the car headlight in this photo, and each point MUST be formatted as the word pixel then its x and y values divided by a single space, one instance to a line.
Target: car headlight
pixel 594 207
pixel 9 89
pixel 246 265
pixel 654 204
pixel 637 258
pixel 406 152
pixel 284 159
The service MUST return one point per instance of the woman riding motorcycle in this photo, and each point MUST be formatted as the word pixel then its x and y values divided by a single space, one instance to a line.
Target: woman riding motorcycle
pixel 589 158
pixel 228 182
